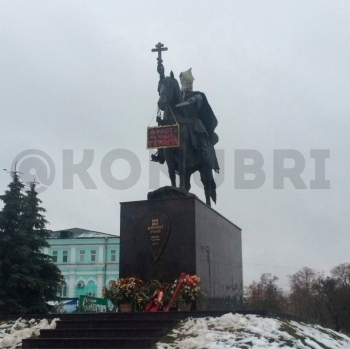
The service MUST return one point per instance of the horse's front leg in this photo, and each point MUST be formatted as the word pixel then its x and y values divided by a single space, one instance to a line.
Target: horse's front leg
pixel 182 167
pixel 169 158
pixel 188 179
pixel 172 177
pixel 184 144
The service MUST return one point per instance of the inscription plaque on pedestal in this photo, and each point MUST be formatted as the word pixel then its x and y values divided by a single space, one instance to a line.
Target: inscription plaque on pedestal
pixel 157 228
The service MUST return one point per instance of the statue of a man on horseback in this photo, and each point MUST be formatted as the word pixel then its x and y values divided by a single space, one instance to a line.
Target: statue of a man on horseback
pixel 191 110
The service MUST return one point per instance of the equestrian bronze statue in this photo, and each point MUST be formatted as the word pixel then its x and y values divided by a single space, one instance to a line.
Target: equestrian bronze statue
pixel 191 110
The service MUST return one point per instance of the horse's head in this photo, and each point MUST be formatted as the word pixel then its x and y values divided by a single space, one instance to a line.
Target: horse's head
pixel 169 92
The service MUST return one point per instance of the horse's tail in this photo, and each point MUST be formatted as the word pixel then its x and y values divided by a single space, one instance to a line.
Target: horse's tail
pixel 213 190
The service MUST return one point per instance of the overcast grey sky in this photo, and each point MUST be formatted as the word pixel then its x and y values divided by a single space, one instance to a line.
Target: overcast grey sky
pixel 80 75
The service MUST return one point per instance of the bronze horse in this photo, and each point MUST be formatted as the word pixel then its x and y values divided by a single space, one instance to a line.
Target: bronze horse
pixel 185 159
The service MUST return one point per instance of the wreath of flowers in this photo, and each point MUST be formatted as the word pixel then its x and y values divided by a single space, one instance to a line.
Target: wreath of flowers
pixel 134 290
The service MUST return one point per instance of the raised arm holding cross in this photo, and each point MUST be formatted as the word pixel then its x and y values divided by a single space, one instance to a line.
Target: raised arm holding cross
pixel 160 68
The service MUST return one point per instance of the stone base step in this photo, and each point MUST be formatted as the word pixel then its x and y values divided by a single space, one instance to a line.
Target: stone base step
pixel 125 323
pixel 104 333
pixel 141 342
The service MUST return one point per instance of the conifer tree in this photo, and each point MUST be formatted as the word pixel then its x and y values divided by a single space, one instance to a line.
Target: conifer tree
pixel 29 277
pixel 10 234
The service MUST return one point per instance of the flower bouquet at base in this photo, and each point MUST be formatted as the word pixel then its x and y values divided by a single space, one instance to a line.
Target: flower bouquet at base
pixel 189 292
pixel 126 290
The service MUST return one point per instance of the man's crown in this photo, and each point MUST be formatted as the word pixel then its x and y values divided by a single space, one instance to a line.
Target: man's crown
pixel 186 77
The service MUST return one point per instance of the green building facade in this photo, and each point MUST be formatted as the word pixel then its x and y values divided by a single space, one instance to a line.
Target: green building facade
pixel 88 260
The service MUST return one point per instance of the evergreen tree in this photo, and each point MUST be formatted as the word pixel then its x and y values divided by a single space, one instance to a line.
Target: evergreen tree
pixel 29 277
pixel 10 233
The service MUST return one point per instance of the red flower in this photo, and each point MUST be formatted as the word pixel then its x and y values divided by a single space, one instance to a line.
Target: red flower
pixel 189 281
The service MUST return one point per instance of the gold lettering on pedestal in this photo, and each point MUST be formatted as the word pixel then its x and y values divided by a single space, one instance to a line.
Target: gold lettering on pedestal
pixel 157 227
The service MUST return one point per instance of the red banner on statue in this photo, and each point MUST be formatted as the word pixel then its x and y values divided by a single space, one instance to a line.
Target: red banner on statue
pixel 163 136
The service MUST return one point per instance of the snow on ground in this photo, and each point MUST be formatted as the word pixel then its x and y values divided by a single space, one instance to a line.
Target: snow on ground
pixel 12 332
pixel 250 332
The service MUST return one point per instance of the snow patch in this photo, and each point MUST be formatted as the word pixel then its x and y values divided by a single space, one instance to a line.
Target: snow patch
pixel 12 332
pixel 251 331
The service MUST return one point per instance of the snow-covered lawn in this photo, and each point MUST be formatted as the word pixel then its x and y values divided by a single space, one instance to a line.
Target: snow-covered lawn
pixel 12 332
pixel 250 332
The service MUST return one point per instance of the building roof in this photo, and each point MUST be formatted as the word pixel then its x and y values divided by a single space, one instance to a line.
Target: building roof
pixel 78 233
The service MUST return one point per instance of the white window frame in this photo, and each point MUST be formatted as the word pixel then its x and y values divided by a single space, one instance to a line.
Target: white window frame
pixel 113 255
pixel 82 256
pixel 63 289
pixel 65 254
pixel 93 254
pixel 55 256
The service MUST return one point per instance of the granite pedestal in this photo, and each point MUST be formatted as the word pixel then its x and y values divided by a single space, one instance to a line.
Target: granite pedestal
pixel 160 239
